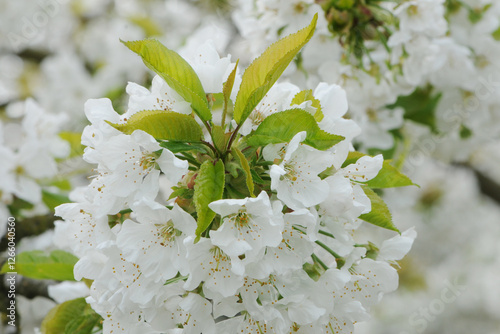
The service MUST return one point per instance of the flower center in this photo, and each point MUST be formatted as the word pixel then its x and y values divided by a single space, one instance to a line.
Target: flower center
pixel 291 173
pixel 241 218
pixel 19 170
pixel 148 161
pixel 257 117
pixel 219 256
pixel 168 232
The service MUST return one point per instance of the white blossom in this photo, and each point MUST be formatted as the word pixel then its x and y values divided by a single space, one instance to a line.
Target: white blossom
pixel 296 179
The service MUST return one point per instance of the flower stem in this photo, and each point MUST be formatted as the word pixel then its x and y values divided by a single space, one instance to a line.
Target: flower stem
pixel 233 136
pixel 176 279
pixel 325 247
pixel 210 146
pixel 189 158
pixel 318 261
pixel 328 234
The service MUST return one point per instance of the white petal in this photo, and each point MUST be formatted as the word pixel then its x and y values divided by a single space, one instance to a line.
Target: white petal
pixel 396 248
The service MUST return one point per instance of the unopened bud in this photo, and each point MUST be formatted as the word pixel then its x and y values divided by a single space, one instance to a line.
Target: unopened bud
pixel 325 4
pixel 344 4
pixel 339 19
pixel 369 32
pixel 191 181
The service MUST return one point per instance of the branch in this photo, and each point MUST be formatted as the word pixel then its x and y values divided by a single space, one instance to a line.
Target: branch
pixel 30 227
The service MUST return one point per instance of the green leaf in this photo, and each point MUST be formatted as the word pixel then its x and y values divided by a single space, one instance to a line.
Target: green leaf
pixel 179 146
pixel 74 139
pixel 181 192
pixel 175 71
pixel 352 157
pixel 232 168
pixel 246 168
pixel 83 324
pixel 216 101
pixel 307 95
pixel 19 204
pixel 475 16
pixel 388 177
pixel 52 200
pixel 465 132
pixel 496 34
pixel 163 125
pixel 219 138
pixel 227 88
pixel 63 184
pixel 261 75
pixel 38 265
pixel 71 317
pixel 209 187
pixel 380 214
pixel 420 106
pixel 282 126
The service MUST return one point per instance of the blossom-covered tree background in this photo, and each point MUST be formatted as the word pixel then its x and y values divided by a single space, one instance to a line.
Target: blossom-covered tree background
pixel 392 88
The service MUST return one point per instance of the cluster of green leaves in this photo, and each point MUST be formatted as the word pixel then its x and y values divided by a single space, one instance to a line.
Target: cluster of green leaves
pixel 231 166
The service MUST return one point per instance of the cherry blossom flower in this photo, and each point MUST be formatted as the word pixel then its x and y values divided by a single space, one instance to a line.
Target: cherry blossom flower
pixel 296 179
pixel 248 225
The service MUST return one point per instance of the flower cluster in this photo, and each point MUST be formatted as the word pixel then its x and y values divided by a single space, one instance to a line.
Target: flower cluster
pixel 427 62
pixel 30 148
pixel 218 231
pixel 421 80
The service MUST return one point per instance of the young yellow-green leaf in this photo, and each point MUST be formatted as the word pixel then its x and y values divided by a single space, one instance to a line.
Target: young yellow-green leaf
pixel 163 125
pixel 246 168
pixel 388 177
pixel 38 265
pixel 227 88
pixel 209 187
pixel 71 317
pixel 175 71
pixel 261 75
pixel 380 214
pixel 307 95
pixel 282 126
pixel 352 157
pixel 219 138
